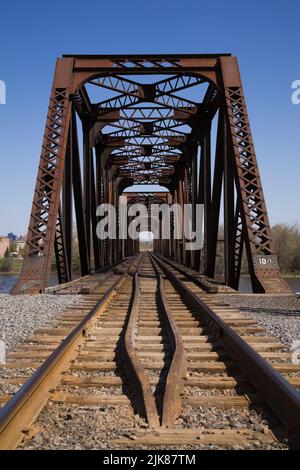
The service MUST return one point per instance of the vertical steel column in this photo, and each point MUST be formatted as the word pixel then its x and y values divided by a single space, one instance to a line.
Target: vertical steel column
pixel 206 155
pixel 99 198
pixel 187 200
pixel 105 200
pixel 238 247
pixel 130 241
pixel 110 201
pixel 115 241
pixel 95 239
pixel 201 185
pixel 67 204
pixel 182 241
pixel 61 251
pixel 78 198
pixel 177 226
pixel 195 255
pixel 171 240
pixel 216 197
pixel 123 252
pixel 87 175
pixel 228 213
pixel 161 241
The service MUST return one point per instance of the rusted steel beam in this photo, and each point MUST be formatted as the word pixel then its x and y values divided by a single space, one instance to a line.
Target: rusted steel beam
pixel 87 185
pixel 67 204
pixel 262 261
pixel 229 204
pixel 78 198
pixel 216 198
pixel 194 180
pixel 60 249
pixel 206 156
pixel 42 226
pixel 238 245
pixel 182 241
pixel 187 200
pixel 96 248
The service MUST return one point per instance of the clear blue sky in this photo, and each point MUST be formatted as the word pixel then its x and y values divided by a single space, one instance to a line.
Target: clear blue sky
pixel 265 35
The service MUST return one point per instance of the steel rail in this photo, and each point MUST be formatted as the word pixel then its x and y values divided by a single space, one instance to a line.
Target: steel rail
pixel 22 409
pixel 65 285
pixel 172 401
pixel 144 399
pixel 280 395
pixel 203 283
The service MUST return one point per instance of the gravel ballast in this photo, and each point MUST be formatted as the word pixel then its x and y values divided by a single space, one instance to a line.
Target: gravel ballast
pixel 21 315
pixel 279 315
pixel 74 428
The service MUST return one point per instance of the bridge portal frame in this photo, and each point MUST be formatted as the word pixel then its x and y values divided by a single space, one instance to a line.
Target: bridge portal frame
pixel 236 171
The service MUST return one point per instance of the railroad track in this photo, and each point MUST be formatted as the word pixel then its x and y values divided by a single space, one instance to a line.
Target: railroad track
pixel 151 355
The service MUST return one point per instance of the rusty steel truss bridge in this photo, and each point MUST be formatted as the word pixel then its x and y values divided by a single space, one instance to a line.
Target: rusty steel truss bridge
pixel 178 121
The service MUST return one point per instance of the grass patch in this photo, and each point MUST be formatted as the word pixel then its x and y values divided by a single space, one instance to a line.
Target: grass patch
pixel 10 265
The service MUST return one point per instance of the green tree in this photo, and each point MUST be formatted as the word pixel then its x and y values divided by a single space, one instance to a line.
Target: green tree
pixel 12 246
pixel 287 246
pixel 6 265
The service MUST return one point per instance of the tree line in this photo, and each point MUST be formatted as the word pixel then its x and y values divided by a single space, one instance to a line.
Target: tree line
pixel 286 240
pixel 287 245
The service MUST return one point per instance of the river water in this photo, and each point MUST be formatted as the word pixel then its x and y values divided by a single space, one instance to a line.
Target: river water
pixel 7 281
pixel 245 284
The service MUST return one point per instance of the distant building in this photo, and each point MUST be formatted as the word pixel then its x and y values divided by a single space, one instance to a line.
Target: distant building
pixel 4 245
pixel 20 243
pixel 12 237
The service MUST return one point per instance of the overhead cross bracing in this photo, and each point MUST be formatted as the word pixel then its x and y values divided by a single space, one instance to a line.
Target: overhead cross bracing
pixel 147 124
